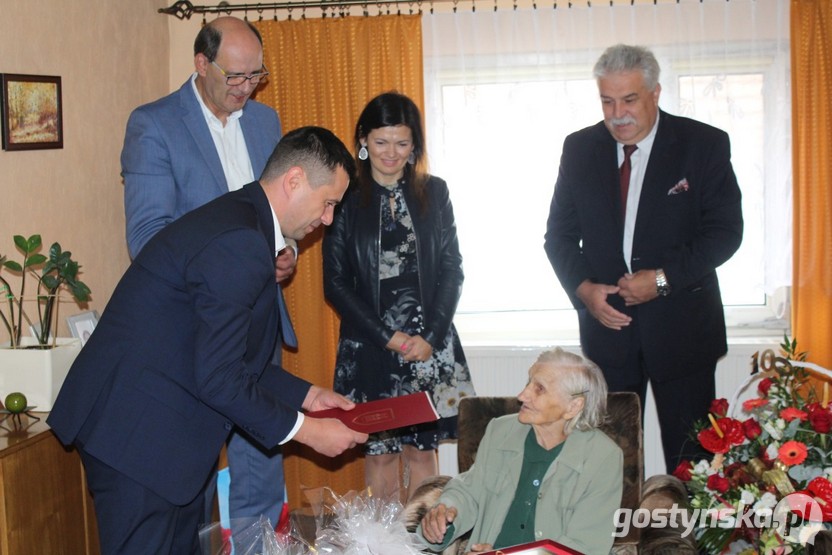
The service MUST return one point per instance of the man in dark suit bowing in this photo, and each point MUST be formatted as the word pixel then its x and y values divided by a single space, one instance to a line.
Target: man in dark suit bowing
pixel 646 206
pixel 182 354
pixel 187 148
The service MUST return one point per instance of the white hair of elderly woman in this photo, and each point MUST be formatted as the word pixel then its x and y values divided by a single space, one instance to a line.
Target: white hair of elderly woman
pixel 579 376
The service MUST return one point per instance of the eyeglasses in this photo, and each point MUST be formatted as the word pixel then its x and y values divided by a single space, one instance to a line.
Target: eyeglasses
pixel 580 393
pixel 237 79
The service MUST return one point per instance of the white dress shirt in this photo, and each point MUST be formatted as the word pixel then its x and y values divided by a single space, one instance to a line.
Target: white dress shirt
pixel 638 167
pixel 279 245
pixel 230 144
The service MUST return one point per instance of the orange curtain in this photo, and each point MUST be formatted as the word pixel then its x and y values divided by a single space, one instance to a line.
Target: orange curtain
pixel 811 60
pixel 323 72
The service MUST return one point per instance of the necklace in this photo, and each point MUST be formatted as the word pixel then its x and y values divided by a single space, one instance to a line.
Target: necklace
pixel 391 195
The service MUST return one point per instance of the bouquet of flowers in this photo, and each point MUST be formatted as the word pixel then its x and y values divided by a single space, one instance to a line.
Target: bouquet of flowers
pixel 768 488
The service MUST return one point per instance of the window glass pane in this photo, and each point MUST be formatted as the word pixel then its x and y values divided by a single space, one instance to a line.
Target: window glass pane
pixel 734 103
pixel 506 139
pixel 504 89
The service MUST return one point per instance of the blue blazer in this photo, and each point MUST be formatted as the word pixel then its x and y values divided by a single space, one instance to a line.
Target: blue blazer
pixel 689 222
pixel 183 351
pixel 170 164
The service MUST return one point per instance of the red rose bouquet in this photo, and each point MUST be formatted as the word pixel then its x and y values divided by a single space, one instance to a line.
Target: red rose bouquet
pixel 768 488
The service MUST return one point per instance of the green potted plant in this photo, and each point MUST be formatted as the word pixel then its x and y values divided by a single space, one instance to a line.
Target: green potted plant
pixel 38 365
pixel 58 270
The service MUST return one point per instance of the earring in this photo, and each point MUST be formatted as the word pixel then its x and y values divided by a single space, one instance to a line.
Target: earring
pixel 362 153
pixel 411 159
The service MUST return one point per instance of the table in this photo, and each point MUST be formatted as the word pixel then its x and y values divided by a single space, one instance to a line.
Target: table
pixel 45 506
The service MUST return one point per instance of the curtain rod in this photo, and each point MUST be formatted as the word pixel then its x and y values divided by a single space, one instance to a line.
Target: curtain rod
pixel 183 9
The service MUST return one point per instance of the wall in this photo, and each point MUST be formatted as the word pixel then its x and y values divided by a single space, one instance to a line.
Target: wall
pixel 111 57
pixel 182 34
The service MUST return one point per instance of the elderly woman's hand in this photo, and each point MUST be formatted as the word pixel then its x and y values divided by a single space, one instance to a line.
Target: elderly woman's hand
pixel 481 548
pixel 435 522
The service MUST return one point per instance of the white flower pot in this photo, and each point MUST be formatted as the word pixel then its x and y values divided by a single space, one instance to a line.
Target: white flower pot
pixel 37 373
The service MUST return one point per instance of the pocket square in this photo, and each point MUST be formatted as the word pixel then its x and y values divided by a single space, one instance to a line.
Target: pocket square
pixel 680 187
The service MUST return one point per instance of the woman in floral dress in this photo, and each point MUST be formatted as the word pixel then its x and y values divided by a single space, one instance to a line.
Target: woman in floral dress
pixel 393 271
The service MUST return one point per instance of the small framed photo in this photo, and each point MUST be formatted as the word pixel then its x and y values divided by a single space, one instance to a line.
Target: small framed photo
pixel 82 325
pixel 32 113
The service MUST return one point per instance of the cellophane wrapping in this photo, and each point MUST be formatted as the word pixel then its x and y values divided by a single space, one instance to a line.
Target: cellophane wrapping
pixel 251 537
pixel 359 523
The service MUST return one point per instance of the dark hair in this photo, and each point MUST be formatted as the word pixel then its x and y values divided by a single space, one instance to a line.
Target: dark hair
pixel 388 110
pixel 208 40
pixel 315 149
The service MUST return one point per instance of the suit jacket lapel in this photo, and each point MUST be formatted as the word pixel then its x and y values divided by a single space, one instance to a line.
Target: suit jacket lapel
pixel 659 175
pixel 195 122
pixel 253 136
pixel 265 222
pixel 606 168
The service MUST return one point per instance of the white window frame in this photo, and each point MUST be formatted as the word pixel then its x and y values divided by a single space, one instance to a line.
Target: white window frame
pixel 543 327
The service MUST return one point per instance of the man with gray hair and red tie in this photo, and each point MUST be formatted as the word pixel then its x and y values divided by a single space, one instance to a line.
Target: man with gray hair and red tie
pixel 645 208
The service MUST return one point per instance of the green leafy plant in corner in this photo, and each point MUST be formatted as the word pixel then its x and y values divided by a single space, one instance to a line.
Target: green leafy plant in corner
pixel 57 271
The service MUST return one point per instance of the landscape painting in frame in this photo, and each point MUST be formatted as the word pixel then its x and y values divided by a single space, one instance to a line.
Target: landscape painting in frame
pixel 32 116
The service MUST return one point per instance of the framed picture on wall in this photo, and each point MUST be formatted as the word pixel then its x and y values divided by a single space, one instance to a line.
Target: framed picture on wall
pixel 32 116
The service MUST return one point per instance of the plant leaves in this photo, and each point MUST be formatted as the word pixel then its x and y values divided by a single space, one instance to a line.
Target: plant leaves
pixel 80 291
pixel 21 243
pixel 55 254
pixel 34 242
pixel 13 266
pixel 58 270
pixel 50 282
pixel 34 260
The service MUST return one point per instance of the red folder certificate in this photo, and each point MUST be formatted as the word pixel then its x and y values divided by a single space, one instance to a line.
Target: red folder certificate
pixel 384 414
pixel 542 547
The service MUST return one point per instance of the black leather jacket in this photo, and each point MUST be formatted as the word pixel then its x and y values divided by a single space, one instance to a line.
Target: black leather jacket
pixel 351 264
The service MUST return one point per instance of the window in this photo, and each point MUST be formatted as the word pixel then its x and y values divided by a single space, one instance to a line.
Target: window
pixel 496 125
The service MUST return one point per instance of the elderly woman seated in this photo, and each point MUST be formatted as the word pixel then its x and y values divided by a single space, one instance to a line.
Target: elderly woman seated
pixel 544 473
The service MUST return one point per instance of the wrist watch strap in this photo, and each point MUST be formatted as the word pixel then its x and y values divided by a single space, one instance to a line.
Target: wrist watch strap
pixel 662 286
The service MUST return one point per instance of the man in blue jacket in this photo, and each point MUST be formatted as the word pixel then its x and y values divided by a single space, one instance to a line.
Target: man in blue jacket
pixel 183 353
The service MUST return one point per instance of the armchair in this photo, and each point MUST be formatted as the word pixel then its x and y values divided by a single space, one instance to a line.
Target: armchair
pixel 623 426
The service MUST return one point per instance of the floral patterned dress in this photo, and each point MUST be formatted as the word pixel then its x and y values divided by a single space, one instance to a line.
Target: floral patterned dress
pixel 365 372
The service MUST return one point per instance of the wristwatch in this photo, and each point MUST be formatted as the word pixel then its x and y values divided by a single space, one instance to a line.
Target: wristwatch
pixel 662 286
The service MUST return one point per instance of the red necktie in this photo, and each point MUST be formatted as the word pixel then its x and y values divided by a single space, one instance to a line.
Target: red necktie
pixel 624 176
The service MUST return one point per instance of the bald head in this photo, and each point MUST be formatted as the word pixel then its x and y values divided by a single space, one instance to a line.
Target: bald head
pixel 227 47
pixel 228 29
